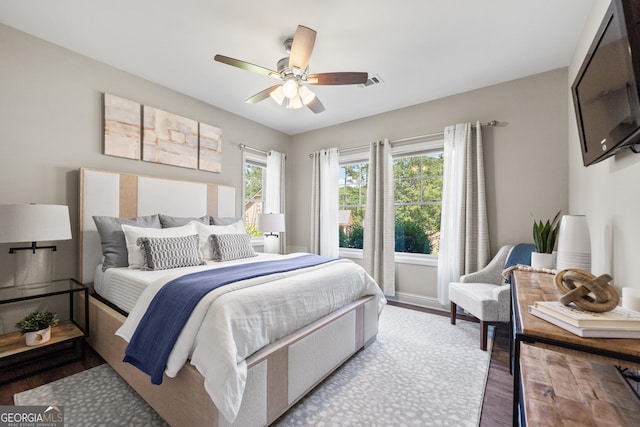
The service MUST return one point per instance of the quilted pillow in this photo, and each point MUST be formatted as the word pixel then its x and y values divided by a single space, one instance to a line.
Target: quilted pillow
pixel 226 247
pixel 162 253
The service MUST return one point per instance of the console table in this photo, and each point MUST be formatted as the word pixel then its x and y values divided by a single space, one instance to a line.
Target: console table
pixel 557 374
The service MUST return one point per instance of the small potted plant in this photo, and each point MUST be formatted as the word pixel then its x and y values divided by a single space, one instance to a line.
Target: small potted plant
pixel 545 235
pixel 36 327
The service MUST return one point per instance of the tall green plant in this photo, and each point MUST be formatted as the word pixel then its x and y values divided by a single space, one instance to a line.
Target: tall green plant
pixel 545 234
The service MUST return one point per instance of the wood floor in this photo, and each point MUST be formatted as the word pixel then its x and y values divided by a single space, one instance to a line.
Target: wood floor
pixel 496 409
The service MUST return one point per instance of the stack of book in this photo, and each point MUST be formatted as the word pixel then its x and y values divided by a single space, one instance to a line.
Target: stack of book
pixel 617 323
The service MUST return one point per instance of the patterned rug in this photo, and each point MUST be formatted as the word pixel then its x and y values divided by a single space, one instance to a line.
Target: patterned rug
pixel 421 371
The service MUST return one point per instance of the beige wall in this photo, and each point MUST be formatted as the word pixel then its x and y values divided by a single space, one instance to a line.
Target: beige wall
pixel 606 192
pixel 525 158
pixel 51 125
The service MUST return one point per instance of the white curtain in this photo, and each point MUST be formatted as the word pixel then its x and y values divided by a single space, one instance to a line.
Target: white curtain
pixel 464 230
pixel 379 218
pixel 274 198
pixel 324 203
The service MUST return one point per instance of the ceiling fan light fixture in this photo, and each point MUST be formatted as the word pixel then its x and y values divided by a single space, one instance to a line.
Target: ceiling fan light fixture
pixel 306 95
pixel 294 103
pixel 290 88
pixel 278 95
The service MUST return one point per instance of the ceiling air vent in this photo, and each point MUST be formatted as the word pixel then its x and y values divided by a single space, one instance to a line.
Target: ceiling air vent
pixel 372 80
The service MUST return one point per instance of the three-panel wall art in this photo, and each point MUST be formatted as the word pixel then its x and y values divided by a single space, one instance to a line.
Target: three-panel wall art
pixel 141 132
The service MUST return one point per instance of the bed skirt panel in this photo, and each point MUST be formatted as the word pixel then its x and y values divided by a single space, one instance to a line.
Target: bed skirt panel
pixel 278 375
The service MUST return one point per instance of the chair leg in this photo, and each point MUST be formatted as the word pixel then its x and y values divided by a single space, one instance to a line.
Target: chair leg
pixel 454 307
pixel 484 330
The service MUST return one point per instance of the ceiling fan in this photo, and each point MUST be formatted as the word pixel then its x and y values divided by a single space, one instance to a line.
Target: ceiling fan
pixel 294 72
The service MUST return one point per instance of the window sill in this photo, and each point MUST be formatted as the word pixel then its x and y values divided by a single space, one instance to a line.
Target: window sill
pixel 400 258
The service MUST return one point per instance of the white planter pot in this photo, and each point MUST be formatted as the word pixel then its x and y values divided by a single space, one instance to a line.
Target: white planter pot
pixel 38 337
pixel 539 260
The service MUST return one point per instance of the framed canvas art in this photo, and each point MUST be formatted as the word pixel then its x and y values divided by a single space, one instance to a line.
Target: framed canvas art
pixel 169 139
pixel 210 154
pixel 121 127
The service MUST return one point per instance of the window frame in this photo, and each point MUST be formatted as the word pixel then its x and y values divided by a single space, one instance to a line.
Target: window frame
pixel 399 150
pixel 255 159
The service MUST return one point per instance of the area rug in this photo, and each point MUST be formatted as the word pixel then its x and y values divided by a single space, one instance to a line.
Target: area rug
pixel 421 371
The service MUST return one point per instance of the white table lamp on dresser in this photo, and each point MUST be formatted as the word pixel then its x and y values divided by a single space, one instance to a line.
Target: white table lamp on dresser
pixel 271 225
pixel 33 223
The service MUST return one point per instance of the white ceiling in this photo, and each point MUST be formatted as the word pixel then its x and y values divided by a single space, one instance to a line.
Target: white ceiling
pixel 421 49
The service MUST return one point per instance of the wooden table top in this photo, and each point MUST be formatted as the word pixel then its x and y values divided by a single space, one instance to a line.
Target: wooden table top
pixel 529 287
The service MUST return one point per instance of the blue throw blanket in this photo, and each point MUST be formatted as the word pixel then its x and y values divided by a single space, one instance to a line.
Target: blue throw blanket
pixel 171 307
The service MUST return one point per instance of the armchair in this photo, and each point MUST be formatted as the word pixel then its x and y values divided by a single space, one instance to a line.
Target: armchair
pixel 484 293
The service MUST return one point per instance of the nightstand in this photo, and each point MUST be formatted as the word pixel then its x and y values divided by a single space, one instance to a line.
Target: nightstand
pixel 18 360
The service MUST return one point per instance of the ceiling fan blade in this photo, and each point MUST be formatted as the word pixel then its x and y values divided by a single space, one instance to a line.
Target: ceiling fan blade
pixel 345 78
pixel 316 106
pixel 262 95
pixel 302 46
pixel 246 66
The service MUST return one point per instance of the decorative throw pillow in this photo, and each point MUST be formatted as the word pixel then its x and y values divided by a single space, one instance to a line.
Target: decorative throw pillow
pixel 225 220
pixel 227 247
pixel 204 231
pixel 169 221
pixel 114 245
pixel 132 234
pixel 162 253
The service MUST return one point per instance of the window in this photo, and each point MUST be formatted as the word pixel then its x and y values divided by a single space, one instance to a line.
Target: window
pixel 417 173
pixel 254 178
pixel 418 202
pixel 352 193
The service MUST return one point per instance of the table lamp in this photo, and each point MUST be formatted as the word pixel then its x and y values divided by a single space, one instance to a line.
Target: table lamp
pixel 270 225
pixel 33 223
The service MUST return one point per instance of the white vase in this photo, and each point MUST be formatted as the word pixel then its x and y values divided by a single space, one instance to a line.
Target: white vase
pixel 38 337
pixel 542 260
pixel 574 243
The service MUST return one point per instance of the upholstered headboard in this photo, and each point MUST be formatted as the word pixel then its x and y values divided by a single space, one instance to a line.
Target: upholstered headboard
pixel 127 195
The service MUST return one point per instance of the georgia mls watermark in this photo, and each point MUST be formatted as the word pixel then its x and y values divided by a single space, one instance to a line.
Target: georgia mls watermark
pixel 31 416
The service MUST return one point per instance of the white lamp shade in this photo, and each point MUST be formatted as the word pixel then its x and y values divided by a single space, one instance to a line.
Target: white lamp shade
pixel 277 95
pixel 294 103
pixel 32 223
pixel 271 223
pixel 306 95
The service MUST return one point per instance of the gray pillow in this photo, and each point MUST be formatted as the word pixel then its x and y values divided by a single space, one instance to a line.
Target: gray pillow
pixel 226 247
pixel 114 246
pixel 225 220
pixel 168 221
pixel 162 253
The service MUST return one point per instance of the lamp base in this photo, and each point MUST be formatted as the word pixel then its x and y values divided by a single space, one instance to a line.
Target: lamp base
pixel 33 267
pixel 271 245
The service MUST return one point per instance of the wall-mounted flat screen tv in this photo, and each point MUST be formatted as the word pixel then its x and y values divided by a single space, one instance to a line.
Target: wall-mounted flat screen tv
pixel 605 91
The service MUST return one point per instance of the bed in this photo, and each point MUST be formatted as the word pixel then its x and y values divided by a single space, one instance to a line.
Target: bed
pixel 275 368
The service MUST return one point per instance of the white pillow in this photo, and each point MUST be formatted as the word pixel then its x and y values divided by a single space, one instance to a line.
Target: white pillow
pixel 132 234
pixel 204 231
pixel 238 226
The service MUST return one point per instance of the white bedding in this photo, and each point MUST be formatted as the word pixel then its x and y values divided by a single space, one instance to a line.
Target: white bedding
pixel 227 327
pixel 123 286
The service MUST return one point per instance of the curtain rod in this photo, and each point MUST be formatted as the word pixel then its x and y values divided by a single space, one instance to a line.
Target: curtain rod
pixel 434 134
pixel 412 138
pixel 257 150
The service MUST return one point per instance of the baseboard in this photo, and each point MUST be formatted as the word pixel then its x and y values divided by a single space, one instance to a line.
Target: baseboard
pixel 418 300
